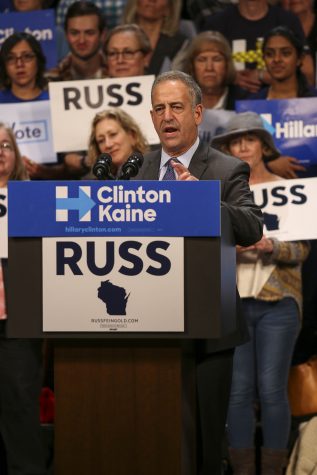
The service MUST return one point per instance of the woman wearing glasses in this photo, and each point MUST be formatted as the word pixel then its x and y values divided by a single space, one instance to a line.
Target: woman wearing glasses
pixel 20 359
pixel 160 21
pixel 22 66
pixel 127 49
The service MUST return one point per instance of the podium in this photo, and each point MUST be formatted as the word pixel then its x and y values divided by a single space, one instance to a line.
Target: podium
pixel 125 400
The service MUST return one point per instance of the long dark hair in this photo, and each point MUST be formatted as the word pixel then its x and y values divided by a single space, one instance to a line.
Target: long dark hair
pixel 35 46
pixel 303 89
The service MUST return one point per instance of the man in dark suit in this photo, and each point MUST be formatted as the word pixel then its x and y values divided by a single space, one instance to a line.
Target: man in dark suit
pixel 176 113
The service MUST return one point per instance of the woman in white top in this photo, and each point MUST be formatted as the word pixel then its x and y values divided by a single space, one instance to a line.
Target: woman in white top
pixel 269 282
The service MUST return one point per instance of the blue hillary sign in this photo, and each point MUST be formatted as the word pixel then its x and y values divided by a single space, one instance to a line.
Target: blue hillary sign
pixel 293 124
pixel 39 23
pixel 93 208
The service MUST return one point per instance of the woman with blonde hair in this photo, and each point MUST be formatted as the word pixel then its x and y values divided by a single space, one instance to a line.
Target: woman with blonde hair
pixel 160 21
pixel 115 132
pixel 17 170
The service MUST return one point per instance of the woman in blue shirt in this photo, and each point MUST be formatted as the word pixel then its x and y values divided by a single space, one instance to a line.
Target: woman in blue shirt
pixel 22 66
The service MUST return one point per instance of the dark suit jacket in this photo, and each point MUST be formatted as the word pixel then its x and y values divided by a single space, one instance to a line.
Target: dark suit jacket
pixel 210 164
pixel 246 218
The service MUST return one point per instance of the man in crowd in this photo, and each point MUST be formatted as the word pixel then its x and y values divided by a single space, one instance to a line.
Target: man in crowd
pixel 85 33
pixel 176 114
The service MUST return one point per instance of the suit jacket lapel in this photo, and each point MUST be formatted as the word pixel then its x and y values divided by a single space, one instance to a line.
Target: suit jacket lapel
pixel 151 166
pixel 198 163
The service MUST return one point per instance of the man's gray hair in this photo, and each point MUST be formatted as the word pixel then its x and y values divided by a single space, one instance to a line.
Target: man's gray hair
pixel 186 79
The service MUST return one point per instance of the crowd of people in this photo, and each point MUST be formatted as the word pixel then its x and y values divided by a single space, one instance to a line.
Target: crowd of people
pixel 205 56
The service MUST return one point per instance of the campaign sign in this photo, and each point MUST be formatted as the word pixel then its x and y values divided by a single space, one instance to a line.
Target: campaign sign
pixel 39 23
pixel 75 104
pixel 90 208
pixel 31 124
pixel 289 208
pixel 292 123
pixel 3 223
pixel 124 284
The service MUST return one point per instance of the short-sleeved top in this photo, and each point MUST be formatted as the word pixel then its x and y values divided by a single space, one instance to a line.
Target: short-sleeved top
pixel 7 97
pixel 245 36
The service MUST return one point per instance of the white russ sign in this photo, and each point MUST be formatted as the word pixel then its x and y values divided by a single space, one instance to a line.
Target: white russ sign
pixel 113 284
pixel 75 103
pixel 289 208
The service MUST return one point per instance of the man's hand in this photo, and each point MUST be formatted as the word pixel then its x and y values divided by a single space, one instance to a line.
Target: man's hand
pixel 285 166
pixel 182 173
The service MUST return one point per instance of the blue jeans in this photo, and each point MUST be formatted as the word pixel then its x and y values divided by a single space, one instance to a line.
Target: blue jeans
pixel 260 370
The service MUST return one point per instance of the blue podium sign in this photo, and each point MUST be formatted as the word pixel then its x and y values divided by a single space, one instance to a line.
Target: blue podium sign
pixel 116 208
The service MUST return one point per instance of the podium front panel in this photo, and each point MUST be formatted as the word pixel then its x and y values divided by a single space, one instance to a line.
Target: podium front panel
pixel 205 292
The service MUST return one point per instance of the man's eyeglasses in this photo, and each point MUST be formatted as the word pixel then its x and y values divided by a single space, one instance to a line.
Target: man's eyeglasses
pixel 24 58
pixel 126 54
pixel 6 147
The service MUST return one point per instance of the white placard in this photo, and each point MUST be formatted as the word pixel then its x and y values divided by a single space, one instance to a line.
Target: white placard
pixel 75 103
pixel 75 298
pixel 3 223
pixel 31 124
pixel 289 208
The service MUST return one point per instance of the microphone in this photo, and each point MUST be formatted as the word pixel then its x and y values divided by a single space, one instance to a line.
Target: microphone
pixel 101 168
pixel 131 166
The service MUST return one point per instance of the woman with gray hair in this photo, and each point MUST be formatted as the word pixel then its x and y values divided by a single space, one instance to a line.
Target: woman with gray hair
pixel 160 22
pixel 269 283
pixel 209 60
pixel 127 50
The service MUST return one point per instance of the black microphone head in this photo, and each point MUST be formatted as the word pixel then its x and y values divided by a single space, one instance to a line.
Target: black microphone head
pixel 131 167
pixel 138 157
pixel 101 168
